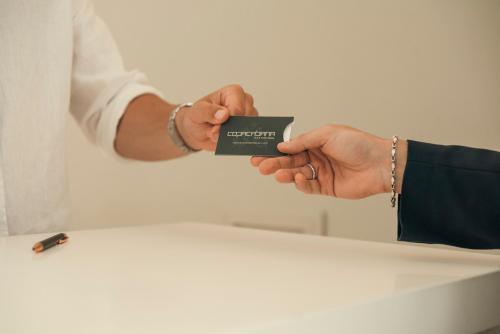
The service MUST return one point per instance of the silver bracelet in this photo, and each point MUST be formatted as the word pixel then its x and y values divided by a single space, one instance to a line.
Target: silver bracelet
pixel 174 132
pixel 395 140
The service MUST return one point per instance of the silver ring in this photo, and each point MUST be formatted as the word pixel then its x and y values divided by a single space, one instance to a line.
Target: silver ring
pixel 313 170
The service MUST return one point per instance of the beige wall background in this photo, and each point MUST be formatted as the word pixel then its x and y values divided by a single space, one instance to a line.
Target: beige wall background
pixel 426 70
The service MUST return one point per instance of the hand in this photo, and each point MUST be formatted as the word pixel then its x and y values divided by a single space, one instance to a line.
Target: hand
pixel 199 126
pixel 349 163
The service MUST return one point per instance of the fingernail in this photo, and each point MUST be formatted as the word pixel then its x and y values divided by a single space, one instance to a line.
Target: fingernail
pixel 220 114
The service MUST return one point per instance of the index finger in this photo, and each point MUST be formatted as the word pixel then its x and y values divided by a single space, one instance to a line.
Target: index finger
pixel 233 98
pixel 310 140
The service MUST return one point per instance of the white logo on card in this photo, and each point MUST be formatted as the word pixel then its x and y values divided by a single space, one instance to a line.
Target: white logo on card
pixel 257 134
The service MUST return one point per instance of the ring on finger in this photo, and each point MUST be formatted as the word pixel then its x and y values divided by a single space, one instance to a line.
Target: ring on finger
pixel 313 170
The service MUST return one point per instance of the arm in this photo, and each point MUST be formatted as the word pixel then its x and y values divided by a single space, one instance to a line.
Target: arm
pixel 125 116
pixel 142 132
pixel 448 194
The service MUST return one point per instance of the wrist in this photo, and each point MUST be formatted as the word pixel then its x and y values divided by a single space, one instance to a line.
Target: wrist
pixel 401 158
pixel 179 123
pixel 178 131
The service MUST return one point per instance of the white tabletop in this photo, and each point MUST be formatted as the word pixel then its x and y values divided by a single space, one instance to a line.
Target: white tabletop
pixel 198 278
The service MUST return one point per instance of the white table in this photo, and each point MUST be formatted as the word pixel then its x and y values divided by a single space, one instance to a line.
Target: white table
pixel 197 278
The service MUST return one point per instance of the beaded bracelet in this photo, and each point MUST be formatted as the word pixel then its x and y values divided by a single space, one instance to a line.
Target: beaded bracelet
pixel 395 140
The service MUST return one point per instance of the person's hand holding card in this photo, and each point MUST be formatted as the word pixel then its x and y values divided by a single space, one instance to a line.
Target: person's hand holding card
pixel 199 125
pixel 334 160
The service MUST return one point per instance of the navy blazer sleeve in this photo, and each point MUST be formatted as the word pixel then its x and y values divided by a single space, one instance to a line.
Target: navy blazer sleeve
pixel 450 195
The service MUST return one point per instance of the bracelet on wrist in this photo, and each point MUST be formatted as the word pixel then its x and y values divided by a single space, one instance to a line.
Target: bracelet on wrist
pixel 174 132
pixel 395 140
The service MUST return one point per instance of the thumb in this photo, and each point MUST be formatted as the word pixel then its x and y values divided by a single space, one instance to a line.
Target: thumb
pixel 307 141
pixel 206 112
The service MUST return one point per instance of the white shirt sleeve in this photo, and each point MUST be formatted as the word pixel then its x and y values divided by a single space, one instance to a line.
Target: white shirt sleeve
pixel 101 89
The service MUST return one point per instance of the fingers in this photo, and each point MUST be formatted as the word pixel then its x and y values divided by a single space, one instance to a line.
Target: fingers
pixel 295 169
pixel 232 99
pixel 250 110
pixel 271 165
pixel 210 146
pixel 205 112
pixel 285 168
pixel 206 116
pixel 288 175
pixel 302 184
pixel 255 161
pixel 213 133
pixel 310 140
pixel 305 185
pixel 301 176
pixel 235 99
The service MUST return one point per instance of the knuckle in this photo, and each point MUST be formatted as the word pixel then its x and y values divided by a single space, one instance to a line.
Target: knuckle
pixel 235 88
pixel 330 127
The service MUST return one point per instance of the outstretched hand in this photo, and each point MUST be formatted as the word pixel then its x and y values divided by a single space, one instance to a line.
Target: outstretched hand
pixel 349 163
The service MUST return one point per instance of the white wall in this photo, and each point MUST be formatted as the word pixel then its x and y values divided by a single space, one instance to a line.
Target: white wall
pixel 426 70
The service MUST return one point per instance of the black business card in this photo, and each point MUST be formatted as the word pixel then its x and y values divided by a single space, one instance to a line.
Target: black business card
pixel 251 135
